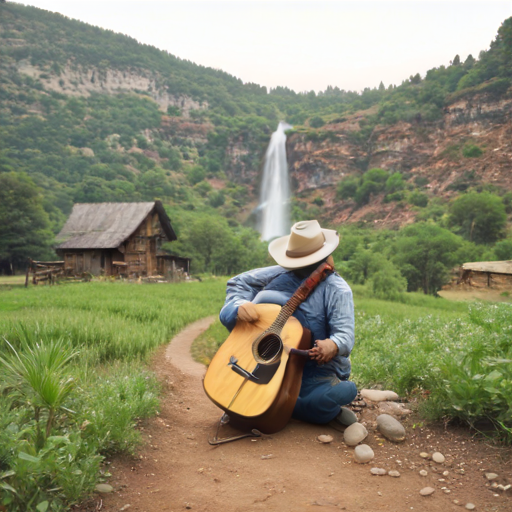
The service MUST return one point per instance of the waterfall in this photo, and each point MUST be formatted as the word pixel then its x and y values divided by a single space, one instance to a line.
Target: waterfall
pixel 274 207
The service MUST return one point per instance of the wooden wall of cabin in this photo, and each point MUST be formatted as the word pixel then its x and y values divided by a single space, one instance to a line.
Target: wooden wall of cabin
pixel 94 261
pixel 141 248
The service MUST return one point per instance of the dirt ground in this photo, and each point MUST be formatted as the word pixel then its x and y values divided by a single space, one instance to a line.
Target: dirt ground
pixel 177 469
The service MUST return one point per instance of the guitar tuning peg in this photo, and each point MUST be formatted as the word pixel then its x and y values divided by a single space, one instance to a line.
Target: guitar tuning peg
pixel 233 360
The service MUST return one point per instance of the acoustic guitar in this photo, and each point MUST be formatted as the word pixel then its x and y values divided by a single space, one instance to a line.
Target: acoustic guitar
pixel 255 376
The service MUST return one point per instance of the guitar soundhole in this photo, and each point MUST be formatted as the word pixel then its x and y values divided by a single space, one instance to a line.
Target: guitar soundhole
pixel 268 349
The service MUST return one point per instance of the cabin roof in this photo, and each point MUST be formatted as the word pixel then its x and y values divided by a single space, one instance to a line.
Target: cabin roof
pixel 108 225
pixel 494 267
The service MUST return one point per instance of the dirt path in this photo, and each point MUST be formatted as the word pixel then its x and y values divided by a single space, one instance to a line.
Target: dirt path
pixel 178 470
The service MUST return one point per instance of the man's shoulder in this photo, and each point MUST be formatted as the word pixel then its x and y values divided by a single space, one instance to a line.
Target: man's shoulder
pixel 335 282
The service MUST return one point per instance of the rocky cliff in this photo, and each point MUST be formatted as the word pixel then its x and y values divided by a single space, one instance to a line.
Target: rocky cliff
pixel 429 154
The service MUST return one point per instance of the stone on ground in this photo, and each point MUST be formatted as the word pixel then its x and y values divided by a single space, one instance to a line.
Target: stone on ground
pixel 376 395
pixel 438 457
pixel 378 471
pixel 491 476
pixel 394 473
pixel 104 488
pixel 354 434
pixel 427 491
pixel 325 439
pixel 423 472
pixel 363 454
pixel 390 428
pixel 346 417
pixel 470 506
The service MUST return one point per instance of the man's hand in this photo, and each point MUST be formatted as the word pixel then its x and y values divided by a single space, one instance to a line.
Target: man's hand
pixel 247 312
pixel 323 351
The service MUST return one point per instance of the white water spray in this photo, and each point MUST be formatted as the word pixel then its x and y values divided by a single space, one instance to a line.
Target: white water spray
pixel 274 204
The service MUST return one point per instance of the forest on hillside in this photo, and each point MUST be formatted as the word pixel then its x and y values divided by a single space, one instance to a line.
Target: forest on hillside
pixel 58 147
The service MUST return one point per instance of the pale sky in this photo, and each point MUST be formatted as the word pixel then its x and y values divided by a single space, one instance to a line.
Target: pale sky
pixel 303 45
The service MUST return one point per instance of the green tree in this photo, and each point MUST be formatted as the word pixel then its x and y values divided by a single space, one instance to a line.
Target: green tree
pixel 424 254
pixel 373 183
pixel 24 224
pixel 388 283
pixel 478 217
pixel 363 264
pixel 503 249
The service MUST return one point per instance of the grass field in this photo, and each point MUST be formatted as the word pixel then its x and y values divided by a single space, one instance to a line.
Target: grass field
pixel 73 379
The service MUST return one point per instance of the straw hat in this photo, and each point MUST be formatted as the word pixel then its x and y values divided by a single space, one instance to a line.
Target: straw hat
pixel 307 244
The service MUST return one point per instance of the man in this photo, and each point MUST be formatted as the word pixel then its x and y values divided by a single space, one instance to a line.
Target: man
pixel 328 313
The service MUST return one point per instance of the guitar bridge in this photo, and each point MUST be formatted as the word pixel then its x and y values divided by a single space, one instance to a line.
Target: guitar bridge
pixel 262 374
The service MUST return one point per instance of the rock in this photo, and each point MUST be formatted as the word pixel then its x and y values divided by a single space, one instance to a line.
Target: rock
pixel 325 439
pixel 104 488
pixel 394 473
pixel 346 417
pixel 446 473
pixel 393 409
pixel 125 507
pixel 378 471
pixel 507 487
pixel 423 472
pixel 424 455
pixel 470 506
pixel 491 476
pixel 269 456
pixel 354 434
pixel 427 491
pixel 456 502
pixel 376 395
pixel 390 428
pixel 438 457
pixel 363 454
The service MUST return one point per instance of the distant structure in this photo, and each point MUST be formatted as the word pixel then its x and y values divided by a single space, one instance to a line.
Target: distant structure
pixel 483 271
pixel 119 239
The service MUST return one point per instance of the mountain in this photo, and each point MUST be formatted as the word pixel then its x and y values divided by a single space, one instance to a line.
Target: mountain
pixel 89 115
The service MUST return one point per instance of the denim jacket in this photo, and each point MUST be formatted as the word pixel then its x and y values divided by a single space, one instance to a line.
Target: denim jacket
pixel 328 312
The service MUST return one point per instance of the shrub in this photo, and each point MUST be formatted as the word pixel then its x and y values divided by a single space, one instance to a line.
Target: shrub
pixel 347 187
pixel 471 151
pixel 503 249
pixel 316 122
pixel 419 199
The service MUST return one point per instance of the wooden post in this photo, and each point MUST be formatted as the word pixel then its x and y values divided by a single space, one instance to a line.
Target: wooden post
pixel 29 264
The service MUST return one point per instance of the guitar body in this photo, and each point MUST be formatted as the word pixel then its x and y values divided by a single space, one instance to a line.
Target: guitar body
pixel 253 402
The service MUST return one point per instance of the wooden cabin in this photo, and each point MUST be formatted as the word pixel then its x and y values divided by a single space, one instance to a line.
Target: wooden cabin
pixel 119 239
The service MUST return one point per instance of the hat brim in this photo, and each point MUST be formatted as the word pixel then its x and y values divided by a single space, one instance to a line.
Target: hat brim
pixel 277 249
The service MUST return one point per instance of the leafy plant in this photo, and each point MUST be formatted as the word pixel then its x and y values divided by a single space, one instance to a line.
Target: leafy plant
pixel 36 374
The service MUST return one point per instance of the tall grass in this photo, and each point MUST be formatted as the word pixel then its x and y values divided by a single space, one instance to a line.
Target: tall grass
pixel 61 413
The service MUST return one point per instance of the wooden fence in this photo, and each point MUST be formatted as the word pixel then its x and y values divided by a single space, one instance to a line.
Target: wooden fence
pixel 44 271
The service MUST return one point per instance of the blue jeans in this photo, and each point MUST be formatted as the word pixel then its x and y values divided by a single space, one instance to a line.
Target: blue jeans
pixel 322 395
